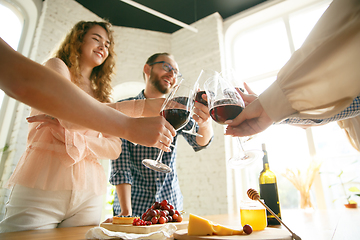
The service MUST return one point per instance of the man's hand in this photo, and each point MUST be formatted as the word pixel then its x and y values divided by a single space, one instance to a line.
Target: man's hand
pixel 109 220
pixel 202 117
pixel 201 114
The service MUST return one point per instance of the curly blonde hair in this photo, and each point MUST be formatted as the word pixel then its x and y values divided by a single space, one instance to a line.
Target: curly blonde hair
pixel 70 50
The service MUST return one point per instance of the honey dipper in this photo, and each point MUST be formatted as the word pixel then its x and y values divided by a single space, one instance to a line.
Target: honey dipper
pixel 254 195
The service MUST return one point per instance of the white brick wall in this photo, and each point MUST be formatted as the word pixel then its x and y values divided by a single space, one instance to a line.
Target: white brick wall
pixel 57 18
pixel 133 47
pixel 202 175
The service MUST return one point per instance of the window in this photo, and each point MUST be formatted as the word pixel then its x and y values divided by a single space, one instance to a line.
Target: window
pixel 11 24
pixel 18 21
pixel 259 45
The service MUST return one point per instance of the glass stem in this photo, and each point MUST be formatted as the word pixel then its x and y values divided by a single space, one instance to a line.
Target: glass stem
pixel 192 130
pixel 244 155
pixel 240 144
pixel 158 159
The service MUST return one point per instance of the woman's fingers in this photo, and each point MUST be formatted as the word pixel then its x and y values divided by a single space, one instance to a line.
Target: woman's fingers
pixel 152 132
pixel 40 118
pixel 248 89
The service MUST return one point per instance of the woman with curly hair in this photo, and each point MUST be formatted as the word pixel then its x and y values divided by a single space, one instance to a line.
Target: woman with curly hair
pixel 90 41
pixel 58 182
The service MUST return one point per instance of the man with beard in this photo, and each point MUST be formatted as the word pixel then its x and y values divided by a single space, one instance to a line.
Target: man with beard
pixel 137 187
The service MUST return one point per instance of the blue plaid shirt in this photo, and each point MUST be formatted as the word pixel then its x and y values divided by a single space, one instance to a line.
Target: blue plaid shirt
pixel 351 111
pixel 148 186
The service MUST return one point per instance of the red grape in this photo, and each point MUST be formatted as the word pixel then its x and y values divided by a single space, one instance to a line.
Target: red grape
pixel 166 207
pixel 164 202
pixel 154 220
pixel 247 229
pixel 171 212
pixel 162 220
pixel 156 205
pixel 148 218
pixel 152 213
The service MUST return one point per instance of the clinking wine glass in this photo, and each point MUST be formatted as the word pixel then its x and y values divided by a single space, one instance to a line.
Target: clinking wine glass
pixel 176 110
pixel 230 75
pixel 225 103
pixel 198 89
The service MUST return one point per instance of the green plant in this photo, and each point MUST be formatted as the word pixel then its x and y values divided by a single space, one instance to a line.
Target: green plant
pixel 345 181
pixel 5 148
pixel 355 192
pixel 352 191
pixel 111 195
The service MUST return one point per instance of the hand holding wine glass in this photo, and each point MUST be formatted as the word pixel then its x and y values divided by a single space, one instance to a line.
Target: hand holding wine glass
pixel 199 91
pixel 241 87
pixel 253 119
pixel 225 103
pixel 176 110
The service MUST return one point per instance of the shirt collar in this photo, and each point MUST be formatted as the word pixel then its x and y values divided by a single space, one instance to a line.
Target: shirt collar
pixel 141 95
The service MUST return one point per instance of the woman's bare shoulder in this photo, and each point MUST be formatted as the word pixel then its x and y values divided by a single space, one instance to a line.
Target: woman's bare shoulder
pixel 59 66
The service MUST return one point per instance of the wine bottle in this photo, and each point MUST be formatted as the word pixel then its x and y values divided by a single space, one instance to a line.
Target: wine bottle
pixel 269 191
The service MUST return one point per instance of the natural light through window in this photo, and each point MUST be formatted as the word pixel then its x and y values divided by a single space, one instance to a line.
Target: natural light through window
pixel 10 31
pixel 303 21
pixel 266 50
pixel 258 54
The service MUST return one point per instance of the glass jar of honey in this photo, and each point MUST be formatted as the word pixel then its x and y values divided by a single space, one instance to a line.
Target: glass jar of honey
pixel 253 214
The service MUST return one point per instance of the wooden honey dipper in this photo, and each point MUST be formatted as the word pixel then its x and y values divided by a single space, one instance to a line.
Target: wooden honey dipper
pixel 254 195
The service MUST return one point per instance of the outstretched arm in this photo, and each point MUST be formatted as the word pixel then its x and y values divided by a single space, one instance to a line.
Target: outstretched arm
pixel 50 92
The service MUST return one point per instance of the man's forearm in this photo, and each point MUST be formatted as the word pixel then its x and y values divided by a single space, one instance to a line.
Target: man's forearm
pixel 206 131
pixel 124 194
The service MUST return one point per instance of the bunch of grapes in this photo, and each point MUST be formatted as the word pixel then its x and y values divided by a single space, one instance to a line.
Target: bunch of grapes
pixel 159 213
pixel 140 222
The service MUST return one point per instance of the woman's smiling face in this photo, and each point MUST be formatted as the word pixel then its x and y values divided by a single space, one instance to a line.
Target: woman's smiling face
pixel 95 47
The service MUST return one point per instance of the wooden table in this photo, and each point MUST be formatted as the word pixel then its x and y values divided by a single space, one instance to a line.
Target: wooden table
pixel 319 224
pixel 341 224
pixel 72 233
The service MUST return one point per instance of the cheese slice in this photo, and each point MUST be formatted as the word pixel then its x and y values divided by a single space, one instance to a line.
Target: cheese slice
pixel 199 226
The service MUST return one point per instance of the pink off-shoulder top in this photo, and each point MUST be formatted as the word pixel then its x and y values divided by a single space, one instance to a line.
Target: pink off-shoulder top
pixel 53 161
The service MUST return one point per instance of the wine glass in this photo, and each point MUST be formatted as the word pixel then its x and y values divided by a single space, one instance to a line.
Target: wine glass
pixel 204 75
pixel 225 103
pixel 230 75
pixel 176 110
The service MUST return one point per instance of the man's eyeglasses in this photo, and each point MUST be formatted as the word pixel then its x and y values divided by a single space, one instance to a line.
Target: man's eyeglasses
pixel 167 67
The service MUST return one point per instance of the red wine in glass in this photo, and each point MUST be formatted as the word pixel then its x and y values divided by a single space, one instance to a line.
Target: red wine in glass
pixel 225 109
pixel 225 103
pixel 178 118
pixel 176 110
pixel 198 98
